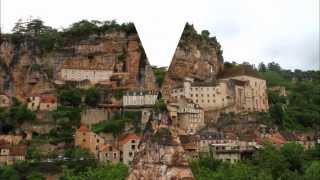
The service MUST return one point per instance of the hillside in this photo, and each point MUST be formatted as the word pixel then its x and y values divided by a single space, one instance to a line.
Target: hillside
pixel 33 55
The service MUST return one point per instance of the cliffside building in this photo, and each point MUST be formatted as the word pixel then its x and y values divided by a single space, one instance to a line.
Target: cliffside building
pixel 132 99
pixel 81 70
pixel 234 92
pixel 129 146
pixel 186 116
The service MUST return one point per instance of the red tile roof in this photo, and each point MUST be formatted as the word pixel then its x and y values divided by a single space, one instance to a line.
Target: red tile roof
pixel 131 136
pixel 83 128
pixel 48 99
pixel 275 138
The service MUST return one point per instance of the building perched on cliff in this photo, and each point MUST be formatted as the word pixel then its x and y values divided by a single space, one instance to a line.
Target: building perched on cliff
pixel 80 70
pixel 250 89
pixel 138 99
pixel 237 90
pixel 186 116
pixel 117 150
pixel 209 96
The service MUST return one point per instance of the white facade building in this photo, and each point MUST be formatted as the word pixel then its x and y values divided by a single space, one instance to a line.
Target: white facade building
pixel 140 98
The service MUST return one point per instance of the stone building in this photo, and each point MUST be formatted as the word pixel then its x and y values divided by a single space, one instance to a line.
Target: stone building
pixel 109 152
pixel 80 70
pixel 190 144
pixel 94 116
pixel 186 116
pixel 48 102
pixel 250 89
pixel 10 154
pixel 89 140
pixel 140 98
pixel 238 91
pixel 33 103
pixel 226 150
pixel 209 96
pixel 4 101
pixel 128 144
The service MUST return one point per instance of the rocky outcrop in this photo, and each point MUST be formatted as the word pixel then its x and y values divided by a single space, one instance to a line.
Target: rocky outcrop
pixel 196 56
pixel 161 157
pixel 24 71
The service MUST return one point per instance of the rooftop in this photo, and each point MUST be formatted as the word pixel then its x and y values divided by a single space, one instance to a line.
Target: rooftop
pixel 127 137
pixel 83 128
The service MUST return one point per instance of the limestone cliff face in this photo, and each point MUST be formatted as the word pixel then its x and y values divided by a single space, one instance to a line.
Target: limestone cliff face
pixel 161 157
pixel 24 71
pixel 197 57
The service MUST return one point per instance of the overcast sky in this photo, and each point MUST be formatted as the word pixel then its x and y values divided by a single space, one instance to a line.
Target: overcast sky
pixel 285 31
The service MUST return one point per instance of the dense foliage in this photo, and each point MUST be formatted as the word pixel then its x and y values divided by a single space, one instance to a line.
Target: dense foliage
pixel 70 97
pixel 13 117
pixel 46 38
pixel 92 96
pixel 117 123
pixel 301 108
pixel 160 73
pixel 288 162
pixel 102 172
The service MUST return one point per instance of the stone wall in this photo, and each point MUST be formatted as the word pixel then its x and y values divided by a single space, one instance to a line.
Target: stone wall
pixel 93 116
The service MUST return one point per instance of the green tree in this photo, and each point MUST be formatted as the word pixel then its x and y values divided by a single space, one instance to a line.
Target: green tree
pixel 205 34
pixel 271 160
pixel 70 97
pixel 274 67
pixel 107 171
pixel 293 153
pixel 35 176
pixel 9 173
pixel 313 171
pixel 262 67
pixel 160 73
pixel 92 96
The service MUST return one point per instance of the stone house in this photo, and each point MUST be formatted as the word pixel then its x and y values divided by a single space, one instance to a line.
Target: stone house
pixel 128 144
pixel 89 140
pixel 4 101
pixel 33 103
pixel 109 152
pixel 190 144
pixel 48 102
pixel 10 154
pixel 186 116
pixel 209 137
pixel 226 150
pixel 140 98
